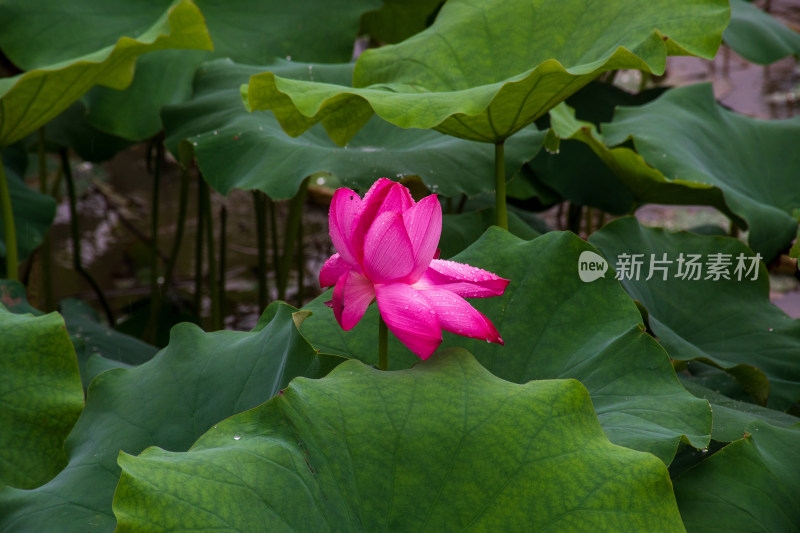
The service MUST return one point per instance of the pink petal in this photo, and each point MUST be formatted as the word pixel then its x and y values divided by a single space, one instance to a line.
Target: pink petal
pixel 384 195
pixel 423 223
pixel 332 270
pixel 410 317
pixel 351 296
pixel 464 280
pixel 342 217
pixel 457 316
pixel 388 255
pixel 358 294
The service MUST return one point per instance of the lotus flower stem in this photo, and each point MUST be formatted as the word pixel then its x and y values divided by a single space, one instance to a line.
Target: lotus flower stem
pixel 10 234
pixel 259 206
pixel 296 205
pixel 76 237
pixel 45 249
pixel 301 267
pixel 181 225
pixel 198 249
pixel 500 186
pixel 383 344
pixel 155 288
pixel 223 238
pixel 273 230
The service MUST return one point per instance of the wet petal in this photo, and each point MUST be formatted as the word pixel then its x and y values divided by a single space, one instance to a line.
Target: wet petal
pixel 464 280
pixel 410 317
pixel 358 294
pixel 351 296
pixel 384 196
pixel 388 255
pixel 457 316
pixel 332 270
pixel 342 218
pixel 423 223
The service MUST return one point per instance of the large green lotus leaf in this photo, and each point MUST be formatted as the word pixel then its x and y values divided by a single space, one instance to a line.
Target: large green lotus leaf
pixel 574 170
pixel 750 485
pixel 31 99
pixel 41 395
pixel 758 36
pixel 99 346
pixel 730 417
pixel 556 326
pixel 248 31
pixel 162 78
pixel 641 181
pixel 444 446
pixel 196 381
pixel 70 129
pixel 398 20
pixel 484 70
pixel 237 149
pixel 687 136
pixel 729 323
pixel 33 215
pixel 461 230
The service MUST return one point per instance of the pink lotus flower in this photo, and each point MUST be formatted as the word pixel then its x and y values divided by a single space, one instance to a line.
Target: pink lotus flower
pixel 386 246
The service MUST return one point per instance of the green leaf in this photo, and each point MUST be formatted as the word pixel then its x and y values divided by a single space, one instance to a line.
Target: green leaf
pixel 556 326
pixel 642 182
pixel 398 20
pixel 41 395
pixel 71 130
pixel 95 342
pixel 31 99
pixel 729 323
pixel 687 136
pixel 33 215
pixel 461 230
pixel 248 31
pixel 573 169
pixel 758 36
pixel 196 381
pixel 476 74
pixel 237 149
pixel 444 446
pixel 750 485
pixel 731 417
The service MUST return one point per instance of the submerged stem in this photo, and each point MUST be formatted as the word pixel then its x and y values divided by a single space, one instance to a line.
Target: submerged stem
pixel 383 344
pixel 500 186
pixel 10 231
